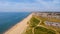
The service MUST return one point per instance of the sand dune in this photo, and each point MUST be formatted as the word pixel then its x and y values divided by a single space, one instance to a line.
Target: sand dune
pixel 20 27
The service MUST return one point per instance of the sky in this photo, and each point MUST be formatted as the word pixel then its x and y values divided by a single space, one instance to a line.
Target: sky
pixel 29 5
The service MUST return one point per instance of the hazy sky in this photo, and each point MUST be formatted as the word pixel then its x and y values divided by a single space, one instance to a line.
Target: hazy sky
pixel 29 5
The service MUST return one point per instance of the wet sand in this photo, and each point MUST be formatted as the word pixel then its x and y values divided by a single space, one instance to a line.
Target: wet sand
pixel 20 27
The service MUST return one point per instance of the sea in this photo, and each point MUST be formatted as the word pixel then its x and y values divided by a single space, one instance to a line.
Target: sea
pixel 9 19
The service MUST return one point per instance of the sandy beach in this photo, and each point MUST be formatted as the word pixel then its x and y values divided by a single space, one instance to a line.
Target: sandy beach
pixel 19 27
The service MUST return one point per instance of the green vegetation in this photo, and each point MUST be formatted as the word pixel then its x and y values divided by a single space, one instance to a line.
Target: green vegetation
pixel 37 29
pixel 29 31
pixel 42 30
pixel 34 22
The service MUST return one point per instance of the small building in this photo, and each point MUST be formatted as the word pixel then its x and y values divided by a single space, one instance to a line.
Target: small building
pixel 54 24
pixel 48 14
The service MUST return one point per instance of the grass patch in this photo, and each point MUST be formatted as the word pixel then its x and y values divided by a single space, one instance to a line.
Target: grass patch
pixel 34 22
pixel 42 30
pixel 28 31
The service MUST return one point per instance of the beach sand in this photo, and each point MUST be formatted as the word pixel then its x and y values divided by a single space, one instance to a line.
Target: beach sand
pixel 20 27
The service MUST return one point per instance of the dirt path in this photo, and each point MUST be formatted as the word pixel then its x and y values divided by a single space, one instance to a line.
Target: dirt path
pixel 20 27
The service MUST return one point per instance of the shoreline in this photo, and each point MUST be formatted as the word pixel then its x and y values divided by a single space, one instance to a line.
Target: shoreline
pixel 19 27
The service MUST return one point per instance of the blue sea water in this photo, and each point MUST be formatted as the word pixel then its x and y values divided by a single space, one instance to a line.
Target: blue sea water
pixel 9 19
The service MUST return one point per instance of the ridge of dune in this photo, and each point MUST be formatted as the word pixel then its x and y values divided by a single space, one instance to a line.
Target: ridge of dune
pixel 19 27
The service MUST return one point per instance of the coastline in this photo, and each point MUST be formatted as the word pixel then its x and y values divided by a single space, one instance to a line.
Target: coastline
pixel 19 27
